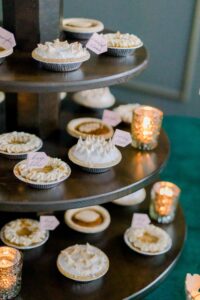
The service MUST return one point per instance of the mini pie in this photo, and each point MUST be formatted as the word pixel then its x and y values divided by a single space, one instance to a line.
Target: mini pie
pixel 54 171
pixel 83 127
pixel 95 153
pixel 4 53
pixel 19 143
pixel 88 219
pixel 23 233
pixel 82 25
pixel 82 262
pixel 126 111
pixel 61 56
pixel 96 98
pixel 149 239
pixel 131 199
pixel 120 40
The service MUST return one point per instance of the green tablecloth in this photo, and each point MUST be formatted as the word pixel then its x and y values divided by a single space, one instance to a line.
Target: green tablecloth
pixel 183 169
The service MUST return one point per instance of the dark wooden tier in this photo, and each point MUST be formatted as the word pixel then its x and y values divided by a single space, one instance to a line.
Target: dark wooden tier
pixel 20 73
pixel 136 170
pixel 130 276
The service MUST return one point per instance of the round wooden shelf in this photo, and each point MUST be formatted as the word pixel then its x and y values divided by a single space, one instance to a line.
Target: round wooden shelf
pixel 136 170
pixel 130 276
pixel 20 73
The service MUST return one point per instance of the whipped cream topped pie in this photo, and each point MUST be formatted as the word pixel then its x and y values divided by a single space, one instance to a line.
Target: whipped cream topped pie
pixel 63 55
pixel 122 40
pixel 88 219
pixel 82 26
pixel 96 98
pixel 23 233
pixel 95 153
pixel 84 127
pixel 83 262
pixel 126 112
pixel 19 143
pixel 55 171
pixel 148 240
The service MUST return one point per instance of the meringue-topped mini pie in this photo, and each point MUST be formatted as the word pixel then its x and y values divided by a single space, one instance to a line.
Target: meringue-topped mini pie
pixel 18 143
pixel 54 172
pixel 84 127
pixel 60 56
pixel 88 219
pixel 149 240
pixel 122 40
pixel 96 98
pixel 82 262
pixel 23 233
pixel 95 154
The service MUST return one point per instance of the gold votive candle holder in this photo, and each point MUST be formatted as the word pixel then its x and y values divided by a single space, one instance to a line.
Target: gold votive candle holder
pixel 164 200
pixel 10 272
pixel 145 127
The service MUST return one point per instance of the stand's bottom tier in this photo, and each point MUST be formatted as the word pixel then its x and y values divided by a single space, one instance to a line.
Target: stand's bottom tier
pixel 130 275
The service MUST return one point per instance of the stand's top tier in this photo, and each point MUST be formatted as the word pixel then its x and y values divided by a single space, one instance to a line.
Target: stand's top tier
pixel 37 21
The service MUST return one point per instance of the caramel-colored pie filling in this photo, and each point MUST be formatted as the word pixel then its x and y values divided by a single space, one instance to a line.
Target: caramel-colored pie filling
pixel 148 238
pixel 97 222
pixel 93 128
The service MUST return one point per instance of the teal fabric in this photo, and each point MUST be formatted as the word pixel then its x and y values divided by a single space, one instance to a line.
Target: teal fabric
pixel 183 169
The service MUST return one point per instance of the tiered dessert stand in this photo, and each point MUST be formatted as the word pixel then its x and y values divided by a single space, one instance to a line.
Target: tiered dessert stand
pixel 35 107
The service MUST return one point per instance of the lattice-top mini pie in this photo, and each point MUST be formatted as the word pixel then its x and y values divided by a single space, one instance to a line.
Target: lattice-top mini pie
pixel 19 143
pixel 88 219
pixel 23 233
pixel 82 262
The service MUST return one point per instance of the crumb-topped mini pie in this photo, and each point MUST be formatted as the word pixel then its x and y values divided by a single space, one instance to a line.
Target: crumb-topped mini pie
pixel 84 127
pixel 61 56
pixel 82 262
pixel 91 219
pixel 126 111
pixel 122 44
pixel 149 240
pixel 23 234
pixel 54 172
pixel 19 144
pixel 96 98
pixel 81 28
pixel 95 154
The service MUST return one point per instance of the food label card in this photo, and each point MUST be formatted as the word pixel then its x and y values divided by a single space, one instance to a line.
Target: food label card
pixel 97 44
pixel 7 39
pixel 111 118
pixel 121 138
pixel 48 222
pixel 37 159
pixel 140 220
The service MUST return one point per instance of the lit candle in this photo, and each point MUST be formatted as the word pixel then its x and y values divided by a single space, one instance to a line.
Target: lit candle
pixel 164 199
pixel 10 272
pixel 145 128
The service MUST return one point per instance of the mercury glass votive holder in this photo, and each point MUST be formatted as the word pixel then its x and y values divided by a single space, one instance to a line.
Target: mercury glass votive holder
pixel 11 262
pixel 145 127
pixel 164 200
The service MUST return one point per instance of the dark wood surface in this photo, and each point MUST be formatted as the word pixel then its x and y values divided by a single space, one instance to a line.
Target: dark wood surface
pixel 136 170
pixel 20 73
pixel 130 274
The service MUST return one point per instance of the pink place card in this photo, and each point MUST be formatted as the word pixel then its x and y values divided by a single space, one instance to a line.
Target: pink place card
pixel 140 220
pixel 48 222
pixel 121 138
pixel 97 44
pixel 7 39
pixel 111 118
pixel 37 159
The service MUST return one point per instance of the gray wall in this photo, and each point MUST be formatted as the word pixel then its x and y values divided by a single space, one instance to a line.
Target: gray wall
pixel 170 30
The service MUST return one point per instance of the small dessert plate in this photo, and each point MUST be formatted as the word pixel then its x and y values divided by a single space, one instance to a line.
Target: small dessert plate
pixel 88 226
pixel 83 127
pixel 132 247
